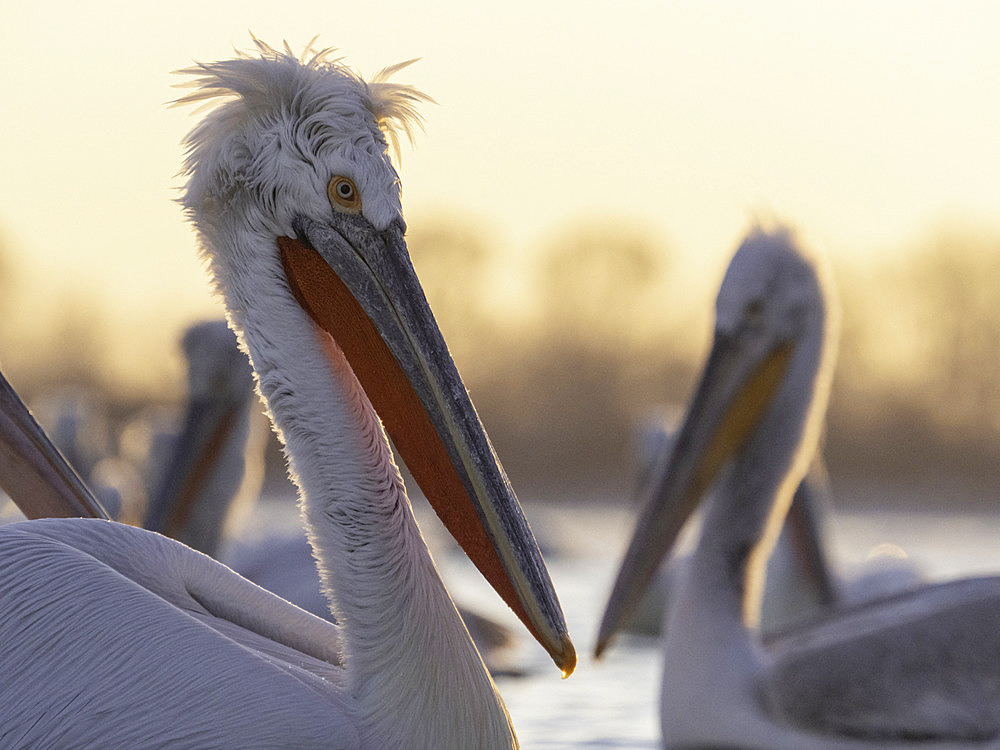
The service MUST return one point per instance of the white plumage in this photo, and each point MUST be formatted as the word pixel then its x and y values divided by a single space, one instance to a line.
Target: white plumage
pixel 918 669
pixel 122 638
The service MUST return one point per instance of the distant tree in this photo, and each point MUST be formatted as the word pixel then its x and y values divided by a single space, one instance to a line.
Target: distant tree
pixel 917 391
pixel 559 389
pixel 952 285
pixel 6 275
pixel 450 257
pixel 454 263
pixel 596 280
pixel 580 376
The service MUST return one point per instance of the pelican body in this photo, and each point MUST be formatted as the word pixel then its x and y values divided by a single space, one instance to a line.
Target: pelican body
pixel 215 468
pixel 920 669
pixel 120 637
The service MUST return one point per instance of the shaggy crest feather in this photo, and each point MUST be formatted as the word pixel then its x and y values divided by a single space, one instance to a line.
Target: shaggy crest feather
pixel 394 105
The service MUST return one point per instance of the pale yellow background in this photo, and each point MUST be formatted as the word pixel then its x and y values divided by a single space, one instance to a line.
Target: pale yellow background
pixel 863 123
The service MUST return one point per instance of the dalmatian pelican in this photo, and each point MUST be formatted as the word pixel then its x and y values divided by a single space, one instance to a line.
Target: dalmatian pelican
pixel 114 636
pixel 920 668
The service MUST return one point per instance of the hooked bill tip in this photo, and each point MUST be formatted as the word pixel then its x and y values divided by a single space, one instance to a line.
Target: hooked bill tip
pixel 565 658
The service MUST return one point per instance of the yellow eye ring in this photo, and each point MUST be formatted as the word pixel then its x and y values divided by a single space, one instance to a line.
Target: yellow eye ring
pixel 344 195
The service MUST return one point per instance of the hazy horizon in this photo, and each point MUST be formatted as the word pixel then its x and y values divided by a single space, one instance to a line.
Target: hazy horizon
pixel 863 125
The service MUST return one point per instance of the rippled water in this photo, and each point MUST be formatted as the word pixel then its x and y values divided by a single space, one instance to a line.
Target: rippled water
pixel 611 703
pixel 607 704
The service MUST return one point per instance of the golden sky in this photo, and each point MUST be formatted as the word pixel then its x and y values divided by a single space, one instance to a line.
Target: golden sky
pixel 863 123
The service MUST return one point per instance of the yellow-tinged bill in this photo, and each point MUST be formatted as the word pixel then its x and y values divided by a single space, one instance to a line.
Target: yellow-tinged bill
pixel 741 376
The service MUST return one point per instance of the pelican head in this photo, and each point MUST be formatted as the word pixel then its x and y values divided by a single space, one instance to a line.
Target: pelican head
pixel 771 341
pixel 291 181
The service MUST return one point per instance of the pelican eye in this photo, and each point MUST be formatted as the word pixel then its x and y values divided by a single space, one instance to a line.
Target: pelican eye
pixel 344 196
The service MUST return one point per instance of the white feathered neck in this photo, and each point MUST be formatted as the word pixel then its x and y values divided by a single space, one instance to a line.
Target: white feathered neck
pixel 260 159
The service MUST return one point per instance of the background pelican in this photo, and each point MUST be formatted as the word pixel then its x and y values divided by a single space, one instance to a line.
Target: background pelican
pixel 217 465
pixel 921 667
pixel 116 636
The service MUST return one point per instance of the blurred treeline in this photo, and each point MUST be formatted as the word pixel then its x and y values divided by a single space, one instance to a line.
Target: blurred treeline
pixel 916 401
pixel 566 350
pixel 612 330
